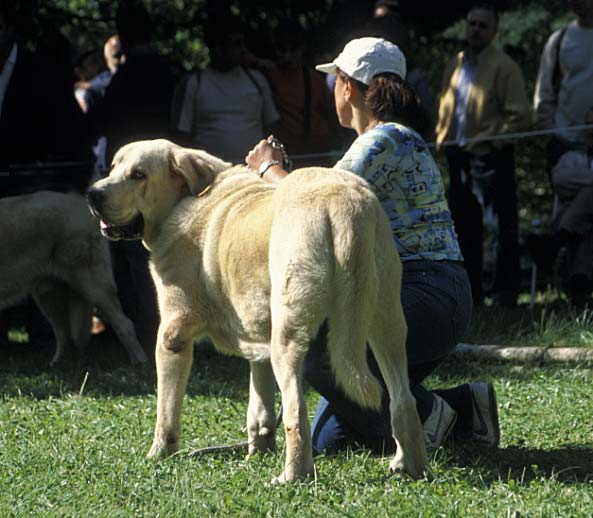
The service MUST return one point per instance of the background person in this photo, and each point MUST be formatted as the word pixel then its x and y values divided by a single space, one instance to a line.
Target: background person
pixel 226 107
pixel 563 89
pixel 482 95
pixel 372 98
pixel 89 93
pixel 136 106
pixel 572 178
pixel 308 121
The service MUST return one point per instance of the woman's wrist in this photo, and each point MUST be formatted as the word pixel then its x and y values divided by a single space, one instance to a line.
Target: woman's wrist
pixel 274 174
pixel 266 164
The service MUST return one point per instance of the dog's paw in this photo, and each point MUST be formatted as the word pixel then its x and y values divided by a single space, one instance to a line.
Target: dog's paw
pixel 293 476
pixel 159 450
pixel 278 480
pixel 403 469
pixel 261 444
pixel 156 453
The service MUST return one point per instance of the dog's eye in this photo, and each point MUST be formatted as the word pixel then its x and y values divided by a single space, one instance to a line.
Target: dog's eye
pixel 136 174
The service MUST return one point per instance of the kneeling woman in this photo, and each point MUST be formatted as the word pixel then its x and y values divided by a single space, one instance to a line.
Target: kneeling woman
pixel 373 99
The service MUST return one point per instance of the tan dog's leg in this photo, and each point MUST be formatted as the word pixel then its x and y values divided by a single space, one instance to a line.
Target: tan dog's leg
pixel 287 361
pixel 52 299
pixel 81 316
pixel 103 294
pixel 261 422
pixel 388 338
pixel 173 363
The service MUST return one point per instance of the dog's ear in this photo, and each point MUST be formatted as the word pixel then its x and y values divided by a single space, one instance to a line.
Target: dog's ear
pixel 197 168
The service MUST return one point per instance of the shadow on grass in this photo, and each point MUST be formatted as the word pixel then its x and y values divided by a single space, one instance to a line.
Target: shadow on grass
pixel 567 464
pixel 24 370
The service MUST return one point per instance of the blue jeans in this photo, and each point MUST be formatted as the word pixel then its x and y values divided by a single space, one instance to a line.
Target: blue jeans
pixel 436 299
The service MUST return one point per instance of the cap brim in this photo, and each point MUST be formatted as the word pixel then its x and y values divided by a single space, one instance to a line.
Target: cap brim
pixel 327 68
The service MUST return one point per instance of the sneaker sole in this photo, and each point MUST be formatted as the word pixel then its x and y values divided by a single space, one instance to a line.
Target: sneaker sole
pixel 493 404
pixel 447 436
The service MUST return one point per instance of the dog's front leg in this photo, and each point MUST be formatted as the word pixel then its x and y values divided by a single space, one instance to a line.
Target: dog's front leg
pixel 174 352
pixel 261 423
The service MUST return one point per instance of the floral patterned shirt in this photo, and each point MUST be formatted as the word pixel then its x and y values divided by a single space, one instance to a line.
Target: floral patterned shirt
pixel 396 162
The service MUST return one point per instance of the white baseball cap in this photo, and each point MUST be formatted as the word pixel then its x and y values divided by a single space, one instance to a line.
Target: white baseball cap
pixel 364 58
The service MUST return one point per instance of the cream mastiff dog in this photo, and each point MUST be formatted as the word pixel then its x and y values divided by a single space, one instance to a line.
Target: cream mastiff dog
pixel 51 249
pixel 258 268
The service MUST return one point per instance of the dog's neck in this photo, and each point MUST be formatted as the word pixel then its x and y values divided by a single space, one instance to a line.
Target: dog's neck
pixel 224 181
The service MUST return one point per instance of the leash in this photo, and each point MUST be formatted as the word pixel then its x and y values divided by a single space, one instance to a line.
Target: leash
pixel 238 446
pixel 276 144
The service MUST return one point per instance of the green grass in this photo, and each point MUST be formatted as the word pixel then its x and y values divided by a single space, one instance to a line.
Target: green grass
pixel 75 446
pixel 550 323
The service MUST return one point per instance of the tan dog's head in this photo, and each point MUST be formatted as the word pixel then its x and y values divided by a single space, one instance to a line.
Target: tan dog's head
pixel 146 181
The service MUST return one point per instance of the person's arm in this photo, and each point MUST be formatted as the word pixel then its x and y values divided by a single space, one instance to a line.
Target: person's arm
pixel 270 117
pixel 261 155
pixel 516 110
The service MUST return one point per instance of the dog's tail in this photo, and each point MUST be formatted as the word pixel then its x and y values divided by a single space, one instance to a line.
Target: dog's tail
pixel 355 297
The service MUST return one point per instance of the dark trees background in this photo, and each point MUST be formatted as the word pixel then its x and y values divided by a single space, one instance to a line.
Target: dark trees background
pixel 436 30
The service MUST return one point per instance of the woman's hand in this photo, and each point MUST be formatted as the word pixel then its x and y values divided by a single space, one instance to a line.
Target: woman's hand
pixel 262 152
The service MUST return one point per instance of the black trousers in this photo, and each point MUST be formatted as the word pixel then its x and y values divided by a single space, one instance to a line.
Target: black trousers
pixel 484 187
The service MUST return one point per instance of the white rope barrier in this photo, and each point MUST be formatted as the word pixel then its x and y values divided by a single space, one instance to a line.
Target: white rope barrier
pixel 462 142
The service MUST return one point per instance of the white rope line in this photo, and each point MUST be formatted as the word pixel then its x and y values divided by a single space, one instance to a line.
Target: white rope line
pixel 462 142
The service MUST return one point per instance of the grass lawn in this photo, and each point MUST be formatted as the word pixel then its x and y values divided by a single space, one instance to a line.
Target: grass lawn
pixel 71 446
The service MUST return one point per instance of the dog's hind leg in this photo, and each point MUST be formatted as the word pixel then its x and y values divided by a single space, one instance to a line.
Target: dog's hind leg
pixel 387 339
pixel 100 290
pixel 52 298
pixel 110 309
pixel 287 360
pixel 388 343
pixel 261 423
pixel 296 308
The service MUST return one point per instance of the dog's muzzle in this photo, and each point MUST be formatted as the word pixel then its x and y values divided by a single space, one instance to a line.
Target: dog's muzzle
pixel 130 231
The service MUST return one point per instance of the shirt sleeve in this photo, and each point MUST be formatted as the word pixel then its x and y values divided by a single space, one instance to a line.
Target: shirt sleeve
pixel 355 160
pixel 364 152
pixel 544 97
pixel 571 173
pixel 188 105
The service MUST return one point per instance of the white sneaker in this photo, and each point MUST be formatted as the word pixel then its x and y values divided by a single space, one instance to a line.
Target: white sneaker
pixel 485 424
pixel 439 424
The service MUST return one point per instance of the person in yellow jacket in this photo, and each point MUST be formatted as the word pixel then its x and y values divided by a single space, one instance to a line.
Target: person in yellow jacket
pixel 483 95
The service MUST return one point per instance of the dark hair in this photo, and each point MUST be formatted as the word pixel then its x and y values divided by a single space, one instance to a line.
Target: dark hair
pixel 134 25
pixel 391 99
pixel 219 27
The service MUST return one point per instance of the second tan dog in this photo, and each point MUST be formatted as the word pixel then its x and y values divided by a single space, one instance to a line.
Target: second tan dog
pixel 258 268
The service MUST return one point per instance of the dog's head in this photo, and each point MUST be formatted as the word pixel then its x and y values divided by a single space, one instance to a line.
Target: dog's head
pixel 146 181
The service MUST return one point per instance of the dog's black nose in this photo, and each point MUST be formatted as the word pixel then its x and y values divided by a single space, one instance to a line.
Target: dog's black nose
pixel 95 199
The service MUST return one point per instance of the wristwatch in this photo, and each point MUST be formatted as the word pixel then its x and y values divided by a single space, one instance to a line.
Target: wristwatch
pixel 266 165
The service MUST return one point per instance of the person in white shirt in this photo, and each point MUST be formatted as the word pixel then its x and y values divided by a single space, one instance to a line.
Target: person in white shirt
pixel 226 108
pixel 563 91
